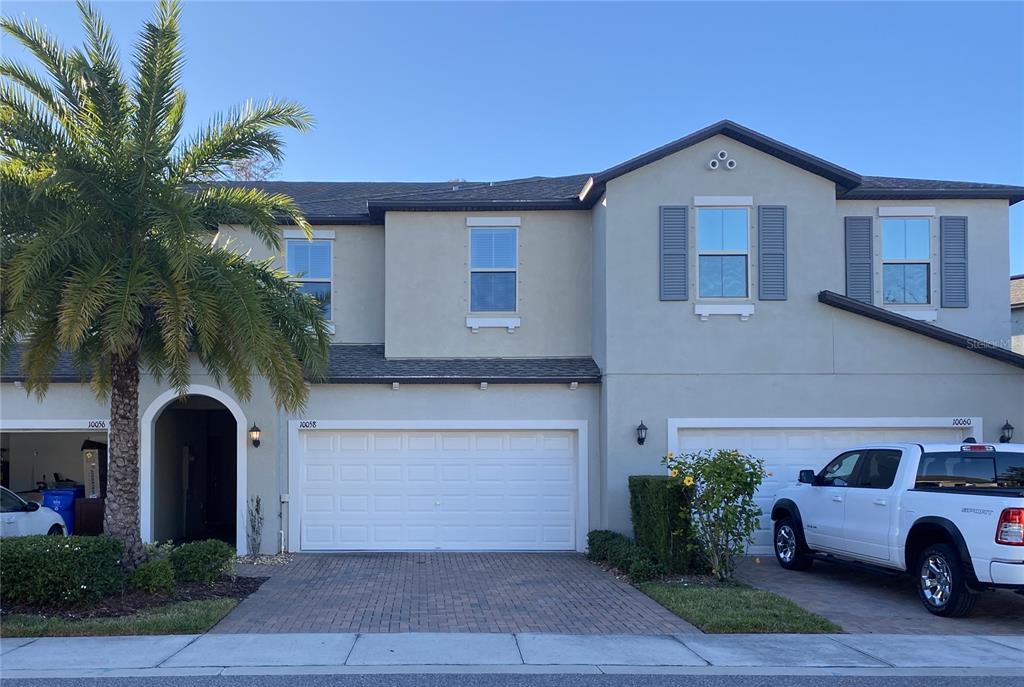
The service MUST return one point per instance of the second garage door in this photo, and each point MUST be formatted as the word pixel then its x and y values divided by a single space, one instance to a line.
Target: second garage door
pixel 436 490
pixel 788 448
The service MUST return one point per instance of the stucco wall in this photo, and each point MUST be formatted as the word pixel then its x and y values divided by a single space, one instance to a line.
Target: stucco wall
pixel 792 358
pixel 357 289
pixel 870 370
pixel 988 261
pixel 427 287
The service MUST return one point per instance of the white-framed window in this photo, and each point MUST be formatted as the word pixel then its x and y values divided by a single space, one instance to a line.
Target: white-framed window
pixel 906 260
pixel 493 269
pixel 309 263
pixel 723 252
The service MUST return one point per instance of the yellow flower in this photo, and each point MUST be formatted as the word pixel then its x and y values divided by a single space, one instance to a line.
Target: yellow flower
pixel 688 481
pixel 670 455
pixel 675 473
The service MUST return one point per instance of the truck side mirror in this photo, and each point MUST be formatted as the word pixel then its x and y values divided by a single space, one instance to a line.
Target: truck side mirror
pixel 806 476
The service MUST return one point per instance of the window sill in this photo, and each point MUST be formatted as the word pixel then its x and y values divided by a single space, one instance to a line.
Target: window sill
pixel 706 310
pixel 475 324
pixel 921 314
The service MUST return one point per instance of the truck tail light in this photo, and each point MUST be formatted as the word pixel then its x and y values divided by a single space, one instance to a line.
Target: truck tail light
pixel 1010 530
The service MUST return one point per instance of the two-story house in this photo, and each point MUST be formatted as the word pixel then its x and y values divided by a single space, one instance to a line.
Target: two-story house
pixel 497 347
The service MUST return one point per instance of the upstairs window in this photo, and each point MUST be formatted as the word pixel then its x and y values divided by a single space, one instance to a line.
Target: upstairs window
pixel 723 252
pixel 493 266
pixel 309 264
pixel 906 266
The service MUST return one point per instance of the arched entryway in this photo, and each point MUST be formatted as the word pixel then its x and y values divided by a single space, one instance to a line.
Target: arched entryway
pixel 193 456
pixel 194 472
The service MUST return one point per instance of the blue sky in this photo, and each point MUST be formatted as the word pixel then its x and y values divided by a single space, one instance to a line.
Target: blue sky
pixel 493 90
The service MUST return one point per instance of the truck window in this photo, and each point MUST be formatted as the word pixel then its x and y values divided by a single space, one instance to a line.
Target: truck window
pixel 877 469
pixel 840 471
pixel 962 468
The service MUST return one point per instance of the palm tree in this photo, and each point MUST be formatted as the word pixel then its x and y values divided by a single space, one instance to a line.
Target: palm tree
pixel 108 248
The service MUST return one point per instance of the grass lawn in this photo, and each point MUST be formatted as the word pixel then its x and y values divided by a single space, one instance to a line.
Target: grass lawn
pixel 732 609
pixel 186 617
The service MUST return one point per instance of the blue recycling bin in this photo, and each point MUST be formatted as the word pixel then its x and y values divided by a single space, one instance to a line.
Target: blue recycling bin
pixel 62 501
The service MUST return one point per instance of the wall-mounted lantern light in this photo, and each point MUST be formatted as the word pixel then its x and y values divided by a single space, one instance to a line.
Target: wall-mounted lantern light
pixel 641 433
pixel 1007 433
pixel 254 435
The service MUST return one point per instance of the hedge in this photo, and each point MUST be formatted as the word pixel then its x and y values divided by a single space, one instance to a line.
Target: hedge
pixel 623 554
pixel 202 561
pixel 155 576
pixel 59 571
pixel 659 509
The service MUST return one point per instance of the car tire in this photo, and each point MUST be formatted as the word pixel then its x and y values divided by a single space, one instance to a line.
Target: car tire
pixel 942 582
pixel 791 550
pixel 56 531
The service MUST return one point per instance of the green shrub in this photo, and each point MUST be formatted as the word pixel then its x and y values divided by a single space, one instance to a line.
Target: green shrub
pixel 723 513
pixel 59 571
pixel 644 569
pixel 154 576
pixel 660 509
pixel 598 542
pixel 159 550
pixel 202 561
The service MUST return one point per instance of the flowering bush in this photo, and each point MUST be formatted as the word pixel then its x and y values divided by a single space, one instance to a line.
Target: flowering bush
pixel 723 515
pixel 59 571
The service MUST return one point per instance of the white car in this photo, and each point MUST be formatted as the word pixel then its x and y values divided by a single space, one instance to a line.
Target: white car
pixel 20 518
pixel 950 515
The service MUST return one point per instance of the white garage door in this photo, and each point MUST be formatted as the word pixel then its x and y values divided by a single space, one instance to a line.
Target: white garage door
pixel 427 490
pixel 787 450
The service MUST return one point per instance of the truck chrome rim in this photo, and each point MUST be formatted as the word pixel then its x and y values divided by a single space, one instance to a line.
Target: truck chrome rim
pixel 936 581
pixel 785 544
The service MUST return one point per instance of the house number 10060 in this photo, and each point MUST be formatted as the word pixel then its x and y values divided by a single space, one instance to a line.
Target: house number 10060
pixel 307 424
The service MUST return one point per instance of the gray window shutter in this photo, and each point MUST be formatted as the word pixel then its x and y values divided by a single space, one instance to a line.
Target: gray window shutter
pixel 859 259
pixel 953 261
pixel 771 252
pixel 674 240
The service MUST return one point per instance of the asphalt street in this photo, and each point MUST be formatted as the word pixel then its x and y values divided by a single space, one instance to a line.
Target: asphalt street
pixel 498 680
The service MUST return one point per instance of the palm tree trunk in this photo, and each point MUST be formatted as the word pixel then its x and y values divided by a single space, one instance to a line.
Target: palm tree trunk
pixel 121 517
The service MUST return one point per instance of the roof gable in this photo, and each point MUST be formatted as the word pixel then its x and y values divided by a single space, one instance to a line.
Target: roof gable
pixel 787 153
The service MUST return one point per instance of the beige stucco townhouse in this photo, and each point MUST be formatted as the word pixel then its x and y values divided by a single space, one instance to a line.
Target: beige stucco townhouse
pixel 496 346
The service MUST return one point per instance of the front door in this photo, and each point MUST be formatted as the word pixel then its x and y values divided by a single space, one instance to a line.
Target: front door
pixel 870 505
pixel 824 508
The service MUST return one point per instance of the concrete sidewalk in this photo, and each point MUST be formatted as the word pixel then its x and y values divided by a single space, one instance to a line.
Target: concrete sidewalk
pixel 292 653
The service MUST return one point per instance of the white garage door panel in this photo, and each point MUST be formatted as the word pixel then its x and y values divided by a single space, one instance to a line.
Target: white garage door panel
pixel 501 490
pixel 788 450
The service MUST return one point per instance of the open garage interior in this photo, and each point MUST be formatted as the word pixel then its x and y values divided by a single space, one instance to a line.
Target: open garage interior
pixel 65 470
pixel 194 472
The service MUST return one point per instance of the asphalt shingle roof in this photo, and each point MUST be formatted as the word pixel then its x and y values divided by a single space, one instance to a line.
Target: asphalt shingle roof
pixel 366 364
pixel 353 202
pixel 355 364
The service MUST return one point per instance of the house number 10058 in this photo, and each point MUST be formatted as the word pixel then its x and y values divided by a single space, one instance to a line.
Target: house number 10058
pixel 307 424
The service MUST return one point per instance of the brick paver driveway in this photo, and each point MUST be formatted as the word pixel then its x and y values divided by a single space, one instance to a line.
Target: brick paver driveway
pixel 448 592
pixel 867 601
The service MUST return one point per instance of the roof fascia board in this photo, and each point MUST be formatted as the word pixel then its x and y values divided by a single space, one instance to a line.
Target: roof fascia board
pixel 923 328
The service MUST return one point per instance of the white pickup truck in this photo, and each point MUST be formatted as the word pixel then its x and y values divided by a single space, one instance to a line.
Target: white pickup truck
pixel 951 515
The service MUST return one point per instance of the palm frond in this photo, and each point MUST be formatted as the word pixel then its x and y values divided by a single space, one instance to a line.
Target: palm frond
pixel 245 132
pixel 57 62
pixel 158 63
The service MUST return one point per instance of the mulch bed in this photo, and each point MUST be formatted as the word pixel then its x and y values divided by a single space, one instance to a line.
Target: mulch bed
pixel 132 601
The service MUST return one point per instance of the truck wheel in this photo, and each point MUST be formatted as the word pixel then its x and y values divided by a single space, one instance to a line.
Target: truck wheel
pixel 942 582
pixel 790 549
pixel 56 531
